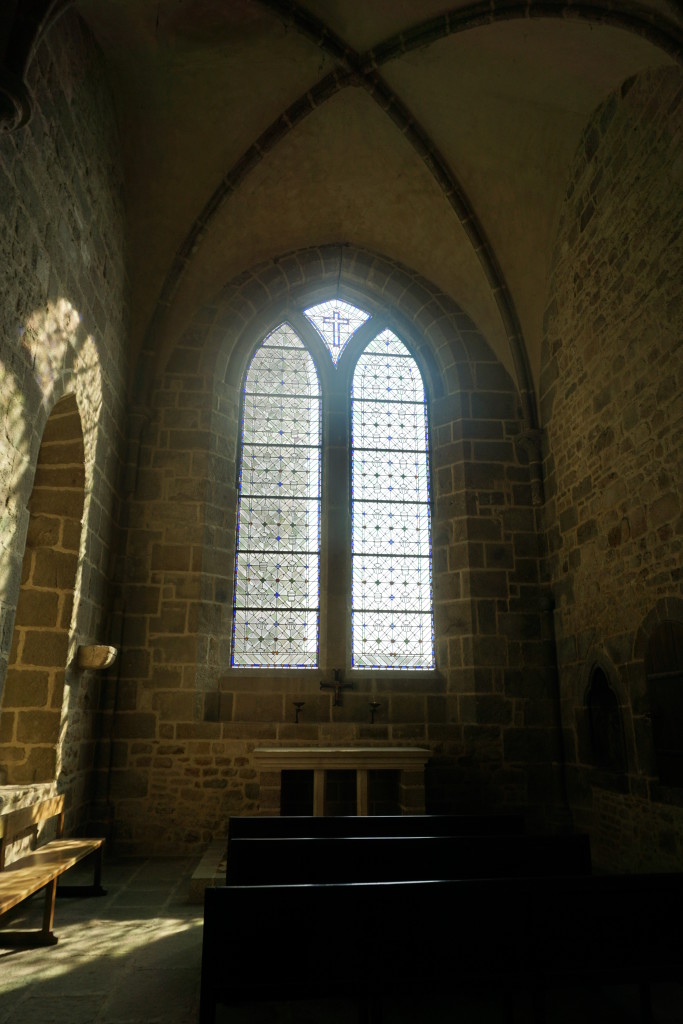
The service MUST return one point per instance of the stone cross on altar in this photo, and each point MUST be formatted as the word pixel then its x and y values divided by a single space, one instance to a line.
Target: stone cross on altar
pixel 336 321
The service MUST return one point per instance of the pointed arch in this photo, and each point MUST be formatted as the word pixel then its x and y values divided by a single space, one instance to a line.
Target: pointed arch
pixel 33 695
pixel 390 511
pixel 277 560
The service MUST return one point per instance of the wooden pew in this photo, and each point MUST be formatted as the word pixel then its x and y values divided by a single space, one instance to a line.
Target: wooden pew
pixel 396 859
pixel 367 942
pixel 40 868
pixel 307 826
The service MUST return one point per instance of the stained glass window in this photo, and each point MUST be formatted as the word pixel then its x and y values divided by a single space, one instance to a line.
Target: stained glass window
pixel 335 322
pixel 276 597
pixel 391 556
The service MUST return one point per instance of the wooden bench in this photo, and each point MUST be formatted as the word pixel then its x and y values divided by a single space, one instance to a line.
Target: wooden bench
pixel 516 937
pixel 308 827
pixel 319 861
pixel 40 868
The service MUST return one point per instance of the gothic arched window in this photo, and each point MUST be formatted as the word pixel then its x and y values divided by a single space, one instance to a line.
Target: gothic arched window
pixel 276 597
pixel 388 611
pixel 391 591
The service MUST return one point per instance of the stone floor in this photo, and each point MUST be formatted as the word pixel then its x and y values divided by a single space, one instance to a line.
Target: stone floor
pixel 133 957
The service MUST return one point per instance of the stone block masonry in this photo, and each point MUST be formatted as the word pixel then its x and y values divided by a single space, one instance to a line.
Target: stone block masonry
pixel 187 723
pixel 611 382
pixel 63 328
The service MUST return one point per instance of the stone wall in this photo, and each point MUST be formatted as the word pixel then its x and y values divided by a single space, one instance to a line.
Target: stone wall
pixel 33 694
pixel 63 312
pixel 186 723
pixel 611 387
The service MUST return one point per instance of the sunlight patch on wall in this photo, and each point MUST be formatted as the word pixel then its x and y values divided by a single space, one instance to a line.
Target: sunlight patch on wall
pixel 55 358
pixel 15 448
pixel 46 338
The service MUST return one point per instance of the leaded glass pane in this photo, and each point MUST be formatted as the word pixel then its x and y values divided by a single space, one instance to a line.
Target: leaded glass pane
pixel 392 527
pixel 335 322
pixel 283 420
pixel 277 566
pixel 267 524
pixel 286 471
pixel 276 640
pixel 391 548
pixel 272 579
pixel 406 582
pixel 403 472
pixel 389 424
pixel 390 640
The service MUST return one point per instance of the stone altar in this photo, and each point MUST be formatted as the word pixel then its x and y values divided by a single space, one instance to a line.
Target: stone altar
pixel 408 761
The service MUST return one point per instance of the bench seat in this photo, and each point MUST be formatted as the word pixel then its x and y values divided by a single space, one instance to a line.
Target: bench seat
pixel 29 874
pixel 40 868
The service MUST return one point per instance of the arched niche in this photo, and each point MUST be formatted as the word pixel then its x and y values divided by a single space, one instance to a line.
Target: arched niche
pixel 605 727
pixel 664 673
pixel 31 710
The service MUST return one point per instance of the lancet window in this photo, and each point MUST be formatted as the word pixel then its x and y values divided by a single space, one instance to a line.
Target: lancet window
pixel 276 596
pixel 276 609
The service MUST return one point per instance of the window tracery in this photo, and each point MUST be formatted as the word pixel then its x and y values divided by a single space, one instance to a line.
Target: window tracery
pixel 336 321
pixel 276 603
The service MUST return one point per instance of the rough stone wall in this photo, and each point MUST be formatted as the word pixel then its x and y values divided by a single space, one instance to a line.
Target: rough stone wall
pixel 63 322
pixel 186 724
pixel 33 693
pixel 493 619
pixel 611 386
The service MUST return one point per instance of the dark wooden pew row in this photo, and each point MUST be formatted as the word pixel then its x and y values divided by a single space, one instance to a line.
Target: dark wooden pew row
pixel 407 858
pixel 307 826
pixel 518 937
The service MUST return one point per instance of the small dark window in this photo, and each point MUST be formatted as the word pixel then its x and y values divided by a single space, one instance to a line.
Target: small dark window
pixel 606 734
pixel 664 667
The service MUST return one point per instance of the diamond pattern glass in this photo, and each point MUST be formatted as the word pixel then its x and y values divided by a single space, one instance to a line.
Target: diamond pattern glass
pixel 391 551
pixel 335 322
pixel 277 565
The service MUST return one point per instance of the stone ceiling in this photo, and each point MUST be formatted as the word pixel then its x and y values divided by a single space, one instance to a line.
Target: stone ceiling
pixel 251 128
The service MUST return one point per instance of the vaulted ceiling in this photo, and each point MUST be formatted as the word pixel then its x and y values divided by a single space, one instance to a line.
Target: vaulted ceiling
pixel 439 137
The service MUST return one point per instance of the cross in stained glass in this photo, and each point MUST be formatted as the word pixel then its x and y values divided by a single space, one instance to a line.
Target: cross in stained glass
pixel 335 321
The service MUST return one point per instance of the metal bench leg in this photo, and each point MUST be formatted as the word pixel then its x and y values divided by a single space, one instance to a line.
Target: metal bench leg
pixel 31 938
pixel 49 912
pixel 87 890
